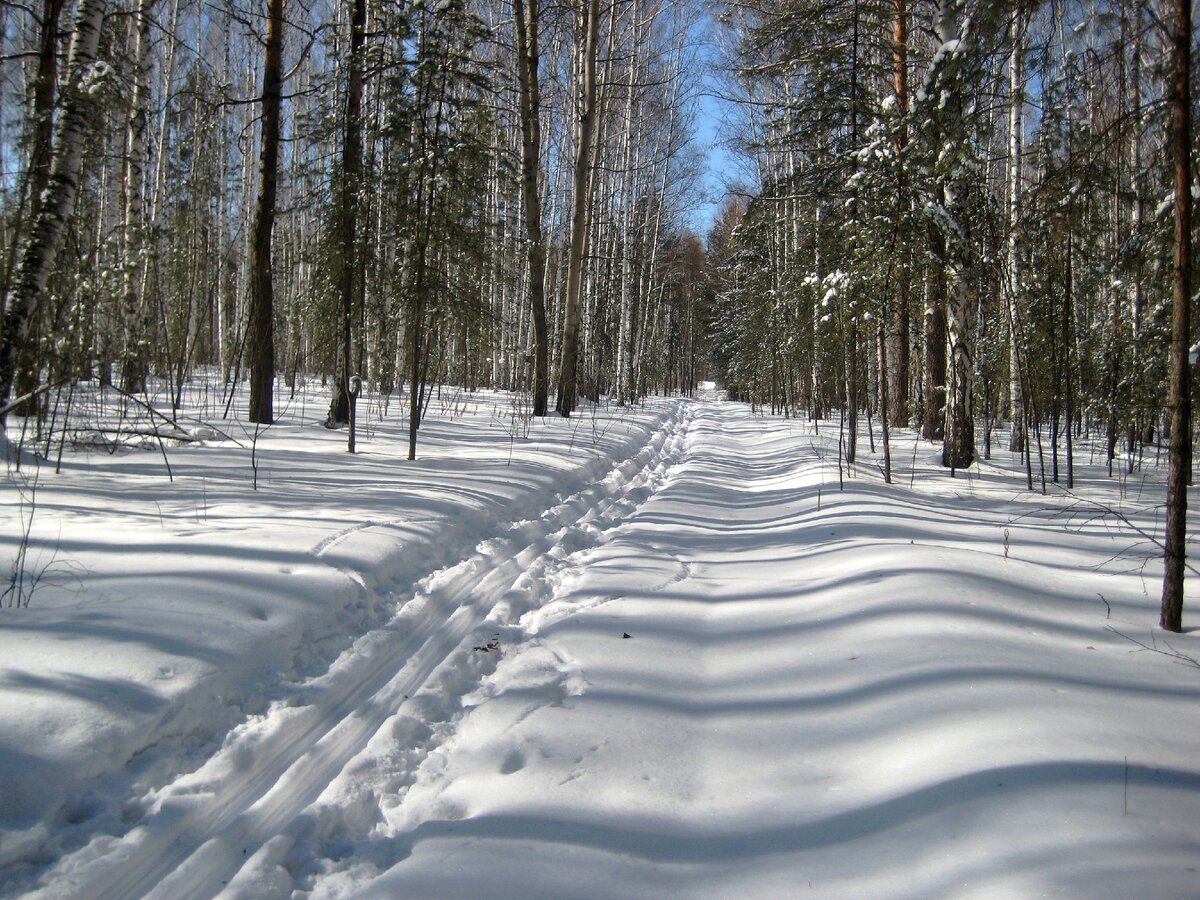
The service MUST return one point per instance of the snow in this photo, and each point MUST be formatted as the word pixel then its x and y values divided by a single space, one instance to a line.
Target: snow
pixel 641 652
pixel 949 47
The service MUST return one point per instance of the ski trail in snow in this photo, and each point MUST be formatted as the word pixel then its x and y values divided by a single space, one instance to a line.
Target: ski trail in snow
pixel 337 537
pixel 368 818
pixel 203 827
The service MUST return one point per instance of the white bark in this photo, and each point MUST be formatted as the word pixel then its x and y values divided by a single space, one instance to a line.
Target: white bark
pixel 79 97
pixel 1016 101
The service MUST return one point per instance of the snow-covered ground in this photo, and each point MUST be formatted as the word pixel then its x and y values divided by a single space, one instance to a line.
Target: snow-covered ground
pixel 650 652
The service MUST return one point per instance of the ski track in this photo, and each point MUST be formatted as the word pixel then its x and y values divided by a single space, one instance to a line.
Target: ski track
pixel 203 827
pixel 319 548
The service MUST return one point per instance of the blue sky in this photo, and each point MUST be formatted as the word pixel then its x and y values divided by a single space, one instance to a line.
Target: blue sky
pixel 720 163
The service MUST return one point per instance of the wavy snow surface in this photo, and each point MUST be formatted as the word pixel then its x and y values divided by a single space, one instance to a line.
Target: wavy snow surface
pixel 671 659
pixel 216 633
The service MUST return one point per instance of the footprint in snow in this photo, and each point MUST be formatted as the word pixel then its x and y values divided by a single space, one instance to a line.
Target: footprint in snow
pixel 513 762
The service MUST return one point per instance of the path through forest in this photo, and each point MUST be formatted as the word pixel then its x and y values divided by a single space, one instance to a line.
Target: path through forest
pixel 712 673
pixel 855 692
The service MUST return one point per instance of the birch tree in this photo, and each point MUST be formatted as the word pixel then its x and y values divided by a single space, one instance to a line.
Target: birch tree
pixel 77 104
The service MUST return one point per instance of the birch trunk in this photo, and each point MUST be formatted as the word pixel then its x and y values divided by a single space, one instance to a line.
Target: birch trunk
pixel 958 447
pixel 625 389
pixel 58 199
pixel 1016 101
pixel 36 177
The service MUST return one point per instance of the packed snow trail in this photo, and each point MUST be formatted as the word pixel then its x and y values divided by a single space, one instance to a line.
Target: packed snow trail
pixel 755 685
pixel 205 824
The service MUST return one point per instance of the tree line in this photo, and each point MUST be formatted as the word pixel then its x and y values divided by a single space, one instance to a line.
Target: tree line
pixel 966 213
pixel 956 214
pixel 385 194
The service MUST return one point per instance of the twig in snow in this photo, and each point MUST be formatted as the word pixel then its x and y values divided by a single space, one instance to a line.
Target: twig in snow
pixel 1104 510
pixel 1126 786
pixel 1171 653
pixel 172 422
pixel 26 575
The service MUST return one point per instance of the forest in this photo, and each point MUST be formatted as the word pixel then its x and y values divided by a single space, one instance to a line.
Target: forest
pixel 964 215
pixel 640 448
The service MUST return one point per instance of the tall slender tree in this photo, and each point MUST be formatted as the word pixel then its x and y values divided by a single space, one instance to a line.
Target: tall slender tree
pixel 1179 396
pixel 350 277
pixel 1016 102
pixel 79 96
pixel 133 375
pixel 526 39
pixel 585 127
pixel 260 333
pixel 897 358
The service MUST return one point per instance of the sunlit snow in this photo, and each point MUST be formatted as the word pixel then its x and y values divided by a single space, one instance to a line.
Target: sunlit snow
pixel 646 652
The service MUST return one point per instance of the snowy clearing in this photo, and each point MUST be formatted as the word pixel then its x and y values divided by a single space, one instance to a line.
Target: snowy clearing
pixel 649 652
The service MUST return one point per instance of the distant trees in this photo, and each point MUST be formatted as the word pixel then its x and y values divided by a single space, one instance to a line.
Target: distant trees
pixel 1015 261
pixel 956 214
pixel 1007 226
pixel 396 191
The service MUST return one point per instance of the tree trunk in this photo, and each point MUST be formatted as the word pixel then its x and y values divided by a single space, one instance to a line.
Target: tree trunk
pixel 43 107
pixel 1016 101
pixel 933 427
pixel 897 357
pixel 417 350
pixel 881 338
pixel 580 201
pixel 624 389
pixel 50 226
pixel 423 308
pixel 850 384
pixel 526 37
pixel 260 334
pixel 1180 396
pixel 341 410
pixel 958 447
pixel 954 249
pixel 36 178
pixel 134 365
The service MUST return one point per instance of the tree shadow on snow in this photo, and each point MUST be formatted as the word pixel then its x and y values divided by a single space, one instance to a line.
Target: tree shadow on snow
pixel 664 842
